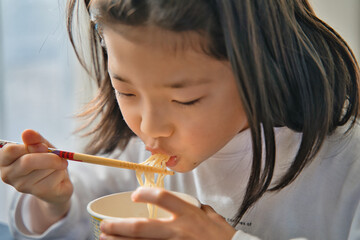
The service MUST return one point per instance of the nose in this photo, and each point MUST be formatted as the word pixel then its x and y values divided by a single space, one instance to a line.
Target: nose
pixel 155 122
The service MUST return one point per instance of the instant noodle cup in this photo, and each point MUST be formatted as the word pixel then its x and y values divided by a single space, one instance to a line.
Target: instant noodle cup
pixel 120 205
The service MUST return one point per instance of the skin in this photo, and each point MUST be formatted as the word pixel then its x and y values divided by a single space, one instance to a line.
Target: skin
pixel 178 100
pixel 182 103
pixel 30 169
pixel 188 222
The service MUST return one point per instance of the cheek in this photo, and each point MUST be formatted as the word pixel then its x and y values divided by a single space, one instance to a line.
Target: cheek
pixel 212 129
pixel 130 116
pixel 198 135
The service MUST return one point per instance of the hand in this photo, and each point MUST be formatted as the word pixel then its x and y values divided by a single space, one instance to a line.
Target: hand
pixel 187 222
pixel 31 169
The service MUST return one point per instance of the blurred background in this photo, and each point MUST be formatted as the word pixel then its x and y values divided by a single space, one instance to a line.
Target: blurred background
pixel 42 86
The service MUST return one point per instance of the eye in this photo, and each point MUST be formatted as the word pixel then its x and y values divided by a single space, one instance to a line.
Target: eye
pixel 189 103
pixel 124 94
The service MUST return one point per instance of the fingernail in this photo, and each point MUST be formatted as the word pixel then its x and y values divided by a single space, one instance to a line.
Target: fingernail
pixel 102 226
pixel 138 189
pixel 135 195
pixel 34 148
pixel 64 163
pixel 102 237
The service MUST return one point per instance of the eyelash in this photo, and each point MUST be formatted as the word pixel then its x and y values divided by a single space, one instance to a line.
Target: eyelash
pixel 190 103
pixel 124 94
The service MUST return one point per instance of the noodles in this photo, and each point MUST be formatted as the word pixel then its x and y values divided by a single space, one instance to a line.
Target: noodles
pixel 156 160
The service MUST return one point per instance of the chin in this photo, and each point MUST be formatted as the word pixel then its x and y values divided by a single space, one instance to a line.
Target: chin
pixel 183 169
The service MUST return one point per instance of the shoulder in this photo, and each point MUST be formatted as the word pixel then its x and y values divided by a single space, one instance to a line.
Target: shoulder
pixel 337 162
pixel 339 157
pixel 344 142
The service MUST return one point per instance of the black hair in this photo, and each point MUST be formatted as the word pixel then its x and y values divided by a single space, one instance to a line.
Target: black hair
pixel 292 70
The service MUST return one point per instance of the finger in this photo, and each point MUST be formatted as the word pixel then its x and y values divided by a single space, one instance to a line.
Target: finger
pixel 10 153
pixel 163 199
pixel 211 213
pixel 25 183
pixel 32 162
pixel 58 183
pixel 207 209
pixel 36 161
pixel 137 228
pixel 31 137
pixel 49 185
pixel 112 237
pixel 37 148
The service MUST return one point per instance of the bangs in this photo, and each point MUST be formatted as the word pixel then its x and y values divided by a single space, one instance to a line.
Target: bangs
pixel 175 25
pixel 155 37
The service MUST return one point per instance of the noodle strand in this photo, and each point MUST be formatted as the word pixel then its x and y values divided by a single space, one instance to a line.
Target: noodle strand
pixel 156 160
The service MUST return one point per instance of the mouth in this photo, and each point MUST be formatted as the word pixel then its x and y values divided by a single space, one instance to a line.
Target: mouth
pixel 173 160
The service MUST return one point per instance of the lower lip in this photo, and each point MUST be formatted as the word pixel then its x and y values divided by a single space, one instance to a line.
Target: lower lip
pixel 172 161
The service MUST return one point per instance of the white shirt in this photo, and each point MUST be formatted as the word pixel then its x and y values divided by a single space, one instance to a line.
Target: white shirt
pixel 322 203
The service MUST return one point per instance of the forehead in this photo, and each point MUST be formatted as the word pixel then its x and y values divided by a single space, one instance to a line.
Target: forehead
pixel 132 57
pixel 156 37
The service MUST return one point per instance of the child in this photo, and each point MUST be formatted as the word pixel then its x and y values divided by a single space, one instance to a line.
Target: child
pixel 255 101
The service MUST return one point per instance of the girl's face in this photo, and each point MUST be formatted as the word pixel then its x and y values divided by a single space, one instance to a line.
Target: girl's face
pixel 182 103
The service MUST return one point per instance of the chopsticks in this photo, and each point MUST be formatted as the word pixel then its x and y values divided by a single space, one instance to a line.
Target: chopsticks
pixel 80 157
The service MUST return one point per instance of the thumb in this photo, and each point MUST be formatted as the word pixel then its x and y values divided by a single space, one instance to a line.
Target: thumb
pixel 33 138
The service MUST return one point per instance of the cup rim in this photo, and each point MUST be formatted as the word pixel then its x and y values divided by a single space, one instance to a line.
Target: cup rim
pixel 194 201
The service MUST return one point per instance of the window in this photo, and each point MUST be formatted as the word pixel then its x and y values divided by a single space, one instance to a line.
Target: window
pixel 39 76
pixel 37 81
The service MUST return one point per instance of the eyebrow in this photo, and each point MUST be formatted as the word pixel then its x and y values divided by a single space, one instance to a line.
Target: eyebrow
pixel 187 82
pixel 117 77
pixel 181 83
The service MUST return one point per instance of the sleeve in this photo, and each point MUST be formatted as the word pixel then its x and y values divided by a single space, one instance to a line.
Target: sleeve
pixel 354 233
pixel 240 235
pixel 90 182
pixel 63 229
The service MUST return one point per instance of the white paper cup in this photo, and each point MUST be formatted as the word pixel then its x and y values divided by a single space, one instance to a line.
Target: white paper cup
pixel 120 205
